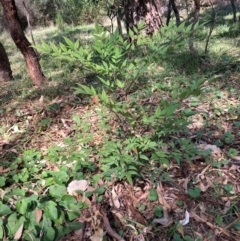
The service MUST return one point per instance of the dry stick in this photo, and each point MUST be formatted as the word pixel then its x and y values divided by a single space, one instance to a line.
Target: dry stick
pixel 212 26
pixel 109 229
pixel 229 226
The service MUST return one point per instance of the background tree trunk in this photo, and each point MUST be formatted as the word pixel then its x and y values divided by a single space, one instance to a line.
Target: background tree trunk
pixel 34 68
pixel 176 12
pixel 169 12
pixel 195 19
pixel 172 5
pixel 234 9
pixel 143 10
pixel 5 68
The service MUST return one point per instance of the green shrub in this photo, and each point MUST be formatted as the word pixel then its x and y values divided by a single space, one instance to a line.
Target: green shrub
pixel 35 204
pixel 120 67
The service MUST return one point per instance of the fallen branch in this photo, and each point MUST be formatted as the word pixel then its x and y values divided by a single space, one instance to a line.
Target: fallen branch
pixel 109 229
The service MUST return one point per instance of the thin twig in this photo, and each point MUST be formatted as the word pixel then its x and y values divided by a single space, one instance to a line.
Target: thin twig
pixel 212 26
pixel 30 26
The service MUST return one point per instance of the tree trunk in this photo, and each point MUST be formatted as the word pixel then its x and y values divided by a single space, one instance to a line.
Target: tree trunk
pixel 172 5
pixel 117 7
pixel 195 19
pixel 169 11
pixel 34 68
pixel 233 3
pixel 143 10
pixel 5 68
pixel 176 12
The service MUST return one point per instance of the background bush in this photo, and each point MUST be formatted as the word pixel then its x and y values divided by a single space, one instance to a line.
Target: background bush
pixel 47 12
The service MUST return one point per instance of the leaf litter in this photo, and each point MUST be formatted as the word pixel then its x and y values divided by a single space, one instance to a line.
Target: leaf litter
pixel 126 208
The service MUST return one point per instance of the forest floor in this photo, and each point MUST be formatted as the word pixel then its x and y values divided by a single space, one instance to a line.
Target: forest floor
pixel 197 198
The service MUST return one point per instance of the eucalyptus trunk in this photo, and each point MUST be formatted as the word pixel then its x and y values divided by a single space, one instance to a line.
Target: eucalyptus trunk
pixel 148 11
pixel 20 40
pixel 5 68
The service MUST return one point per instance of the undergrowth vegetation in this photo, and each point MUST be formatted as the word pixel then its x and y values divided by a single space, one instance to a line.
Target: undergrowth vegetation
pixel 120 118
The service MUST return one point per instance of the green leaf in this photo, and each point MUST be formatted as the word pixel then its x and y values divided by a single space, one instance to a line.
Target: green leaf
pixel 77 119
pixel 2 181
pixel 158 112
pixel 99 190
pixel 69 42
pixel 4 209
pixel 76 45
pixel 194 192
pixel 57 191
pixel 18 224
pixel 236 226
pixel 63 47
pixel 120 84
pixel 104 97
pixel 74 225
pixel 22 205
pixel 177 237
pixel 49 235
pixel 13 223
pixel 30 235
pixel 54 48
pixel 61 218
pixel 68 199
pixel 129 178
pixel 168 111
pixel 46 47
pixel 51 211
pixel 188 238
pixel 153 196
pixel 61 177
pixel 158 211
pixel 72 214
pixel 174 94
pixel 85 90
pixel 1 232
pixel 143 157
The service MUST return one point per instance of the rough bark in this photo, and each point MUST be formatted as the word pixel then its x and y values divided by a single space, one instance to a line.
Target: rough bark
pixel 5 68
pixel 17 34
pixel 143 10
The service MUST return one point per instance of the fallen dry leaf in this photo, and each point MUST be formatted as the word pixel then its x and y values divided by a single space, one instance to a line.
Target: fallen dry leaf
pixel 76 185
pixel 98 235
pixel 185 221
pixel 18 234
pixel 227 206
pixel 161 199
pixel 115 200
pixel 2 193
pixel 213 148
pixel 38 214
pixel 4 170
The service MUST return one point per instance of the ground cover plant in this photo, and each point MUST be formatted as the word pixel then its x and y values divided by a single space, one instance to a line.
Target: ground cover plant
pixel 128 140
